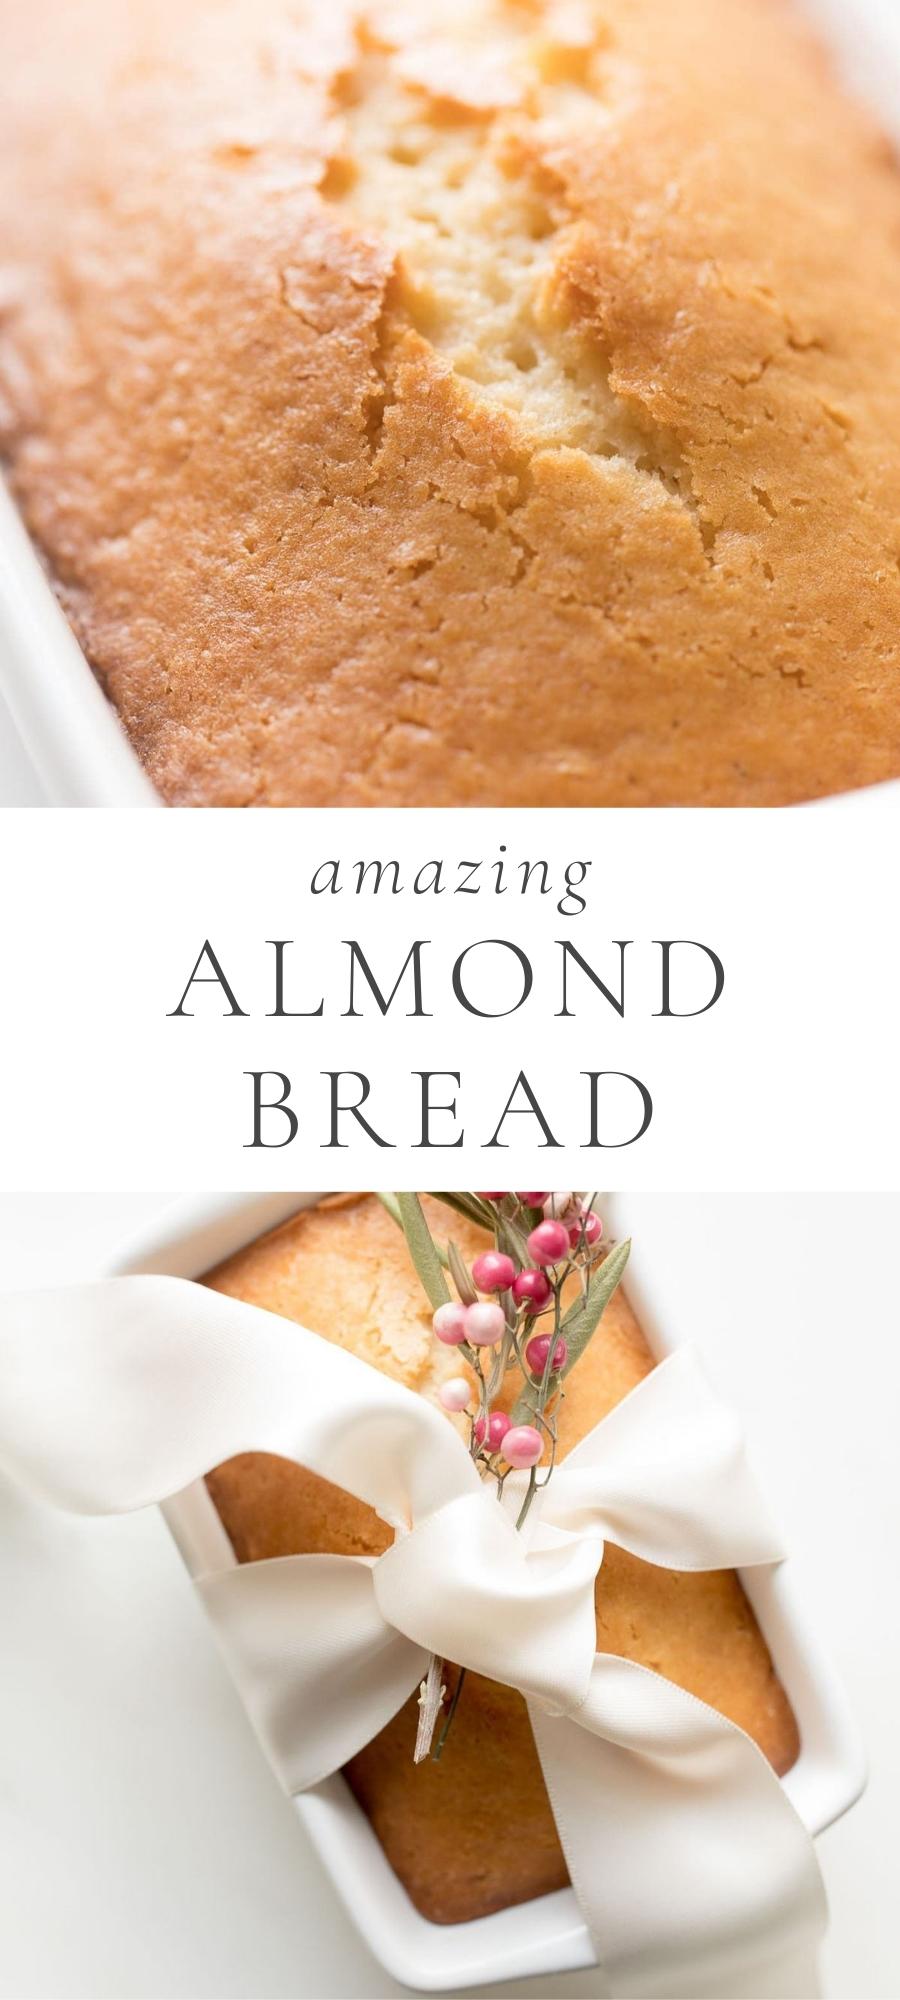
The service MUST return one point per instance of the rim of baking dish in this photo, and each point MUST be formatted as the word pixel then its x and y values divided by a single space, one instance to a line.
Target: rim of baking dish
pixel 548 1934
pixel 70 729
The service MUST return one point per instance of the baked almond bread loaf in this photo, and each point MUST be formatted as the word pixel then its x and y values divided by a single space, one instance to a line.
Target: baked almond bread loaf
pixel 343 1270
pixel 494 402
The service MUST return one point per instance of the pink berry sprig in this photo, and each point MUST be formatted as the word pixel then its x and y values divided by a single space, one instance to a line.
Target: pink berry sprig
pixel 524 1277
pixel 508 1314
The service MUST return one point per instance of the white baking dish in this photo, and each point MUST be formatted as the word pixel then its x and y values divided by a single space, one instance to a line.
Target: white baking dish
pixel 70 731
pixel 547 1935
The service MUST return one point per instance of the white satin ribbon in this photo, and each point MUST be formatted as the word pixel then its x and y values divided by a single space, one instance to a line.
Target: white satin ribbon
pixel 681 1843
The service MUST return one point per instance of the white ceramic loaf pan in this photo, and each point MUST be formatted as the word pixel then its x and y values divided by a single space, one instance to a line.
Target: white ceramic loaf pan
pixel 78 749
pixel 547 1935
pixel 71 732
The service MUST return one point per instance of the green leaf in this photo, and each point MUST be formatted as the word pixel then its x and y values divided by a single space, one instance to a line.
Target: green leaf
pixel 581 1321
pixel 461 1276
pixel 423 1249
pixel 390 1202
pixel 469 1206
pixel 511 1239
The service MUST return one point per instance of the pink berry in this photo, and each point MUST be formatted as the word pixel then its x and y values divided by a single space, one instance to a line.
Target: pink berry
pixel 455 1394
pixel 532 1200
pixel 538 1349
pixel 485 1323
pixel 558 1205
pixel 587 1228
pixel 532 1288
pixel 522 1446
pixel 549 1242
pixel 493 1272
pixel 449 1323
pixel 494 1430
pixel 492 1197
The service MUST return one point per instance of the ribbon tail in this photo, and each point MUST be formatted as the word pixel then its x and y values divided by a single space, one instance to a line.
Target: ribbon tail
pixel 318 1668
pixel 686 1855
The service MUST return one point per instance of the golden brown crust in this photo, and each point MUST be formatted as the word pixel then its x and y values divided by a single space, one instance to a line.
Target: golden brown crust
pixel 334 1269
pixel 382 392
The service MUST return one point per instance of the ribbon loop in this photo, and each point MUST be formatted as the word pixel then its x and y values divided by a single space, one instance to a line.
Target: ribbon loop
pixel 320 1669
pixel 665 1476
pixel 157 1380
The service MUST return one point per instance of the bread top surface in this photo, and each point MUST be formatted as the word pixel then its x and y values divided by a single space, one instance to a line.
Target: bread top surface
pixel 342 1269
pixel 475 403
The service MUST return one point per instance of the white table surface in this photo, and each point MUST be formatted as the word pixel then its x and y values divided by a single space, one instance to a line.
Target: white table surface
pixel 145 1852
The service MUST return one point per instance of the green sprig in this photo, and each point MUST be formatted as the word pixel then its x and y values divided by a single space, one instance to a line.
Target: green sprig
pixel 580 1324
pixel 423 1249
pixel 461 1276
pixel 469 1206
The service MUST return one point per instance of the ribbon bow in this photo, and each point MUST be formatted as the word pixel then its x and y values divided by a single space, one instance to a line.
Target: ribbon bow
pixel 680 1841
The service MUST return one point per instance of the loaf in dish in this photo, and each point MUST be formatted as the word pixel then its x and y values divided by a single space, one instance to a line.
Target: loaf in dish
pixel 343 1270
pixel 459 401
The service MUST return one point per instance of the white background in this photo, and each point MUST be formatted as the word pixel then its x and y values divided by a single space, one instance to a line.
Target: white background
pixel 145 1852
pixel 793 1078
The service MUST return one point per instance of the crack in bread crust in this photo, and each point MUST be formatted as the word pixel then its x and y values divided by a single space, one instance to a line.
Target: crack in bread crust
pixel 447 165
